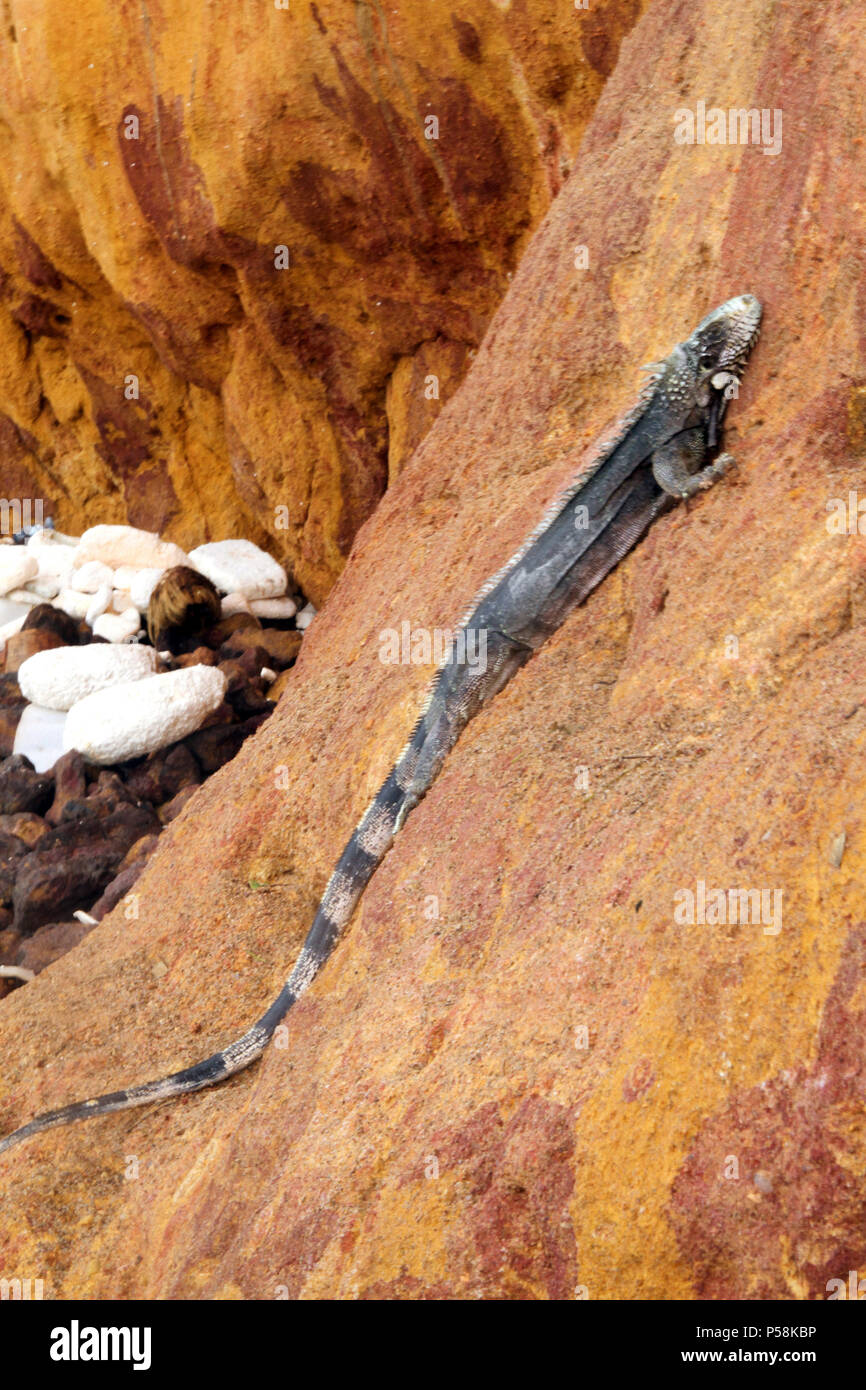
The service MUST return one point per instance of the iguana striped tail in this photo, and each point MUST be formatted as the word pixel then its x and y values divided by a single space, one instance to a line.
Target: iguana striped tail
pixel 370 841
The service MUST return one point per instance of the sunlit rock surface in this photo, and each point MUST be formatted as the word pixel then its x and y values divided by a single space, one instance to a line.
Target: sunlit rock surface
pixel 520 1075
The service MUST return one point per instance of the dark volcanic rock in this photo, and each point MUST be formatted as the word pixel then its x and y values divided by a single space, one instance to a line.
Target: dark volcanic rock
pixel 117 889
pixel 10 939
pixel 219 635
pixel 248 662
pixel 92 821
pixel 249 700
pixel 24 825
pixel 244 692
pixel 254 653
pixel 223 714
pixel 162 774
pixel 175 806
pixel 141 850
pixel 79 811
pixel 201 656
pixel 47 886
pixel 70 784
pixel 279 649
pixel 10 715
pixel 108 792
pixel 23 789
pixel 131 866
pixel 102 798
pixel 27 643
pixel 12 851
pixel 75 862
pixel 10 690
pixel 49 943
pixel 44 618
pixel 218 744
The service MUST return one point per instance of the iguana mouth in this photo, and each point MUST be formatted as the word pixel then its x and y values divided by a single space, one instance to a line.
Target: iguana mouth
pixel 720 384
pixel 742 316
pixel 718 401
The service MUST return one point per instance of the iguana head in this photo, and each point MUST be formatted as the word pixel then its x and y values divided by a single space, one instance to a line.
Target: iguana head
pixel 717 353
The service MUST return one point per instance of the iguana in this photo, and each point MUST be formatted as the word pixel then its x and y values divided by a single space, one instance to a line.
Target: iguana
pixel 660 453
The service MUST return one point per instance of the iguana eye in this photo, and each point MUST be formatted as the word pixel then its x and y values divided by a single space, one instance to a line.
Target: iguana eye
pixel 706 360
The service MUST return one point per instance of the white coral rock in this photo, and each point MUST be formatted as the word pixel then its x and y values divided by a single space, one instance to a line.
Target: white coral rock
pixel 91 576
pixel 121 599
pixel 9 629
pixel 25 597
pixel 273 607
pixel 98 604
pixel 127 545
pixel 44 586
pixel 39 736
pixel 234 603
pixel 240 567
pixel 131 720
pixel 17 567
pixel 73 603
pixel 124 575
pixel 53 557
pixel 58 678
pixel 117 627
pixel 141 585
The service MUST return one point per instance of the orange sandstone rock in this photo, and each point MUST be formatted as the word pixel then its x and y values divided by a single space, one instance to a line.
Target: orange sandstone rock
pixel 222 232
pixel 521 1075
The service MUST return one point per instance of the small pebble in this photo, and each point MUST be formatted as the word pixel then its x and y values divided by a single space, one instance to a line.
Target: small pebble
pixel 73 603
pixel 17 566
pixel 98 604
pixel 273 608
pixel 837 849
pixel 141 585
pixel 90 577
pixel 8 630
pixel 118 627
pixel 24 596
pixel 46 586
pixel 234 603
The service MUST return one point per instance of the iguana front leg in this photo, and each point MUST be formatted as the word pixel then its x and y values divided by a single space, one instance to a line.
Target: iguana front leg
pixel 678 465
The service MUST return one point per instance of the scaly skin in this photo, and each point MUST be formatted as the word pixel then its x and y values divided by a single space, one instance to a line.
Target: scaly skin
pixel 658 456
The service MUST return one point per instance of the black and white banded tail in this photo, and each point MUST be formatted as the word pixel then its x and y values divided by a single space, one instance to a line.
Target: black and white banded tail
pixel 444 716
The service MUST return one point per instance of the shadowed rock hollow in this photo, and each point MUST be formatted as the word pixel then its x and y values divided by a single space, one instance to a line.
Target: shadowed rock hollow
pixel 226 234
pixel 519 1076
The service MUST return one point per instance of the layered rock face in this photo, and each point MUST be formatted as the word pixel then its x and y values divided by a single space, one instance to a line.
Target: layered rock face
pixel 526 1072
pixel 229 235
